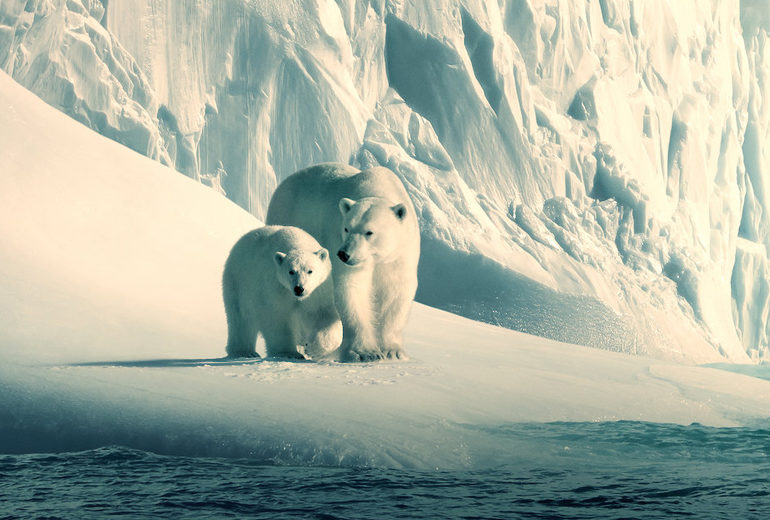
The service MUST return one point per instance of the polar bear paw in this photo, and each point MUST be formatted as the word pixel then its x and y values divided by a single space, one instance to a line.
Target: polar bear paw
pixel 395 353
pixel 297 352
pixel 359 352
pixel 242 354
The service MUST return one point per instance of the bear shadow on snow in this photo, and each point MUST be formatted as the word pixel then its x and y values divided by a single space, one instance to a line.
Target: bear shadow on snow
pixel 181 362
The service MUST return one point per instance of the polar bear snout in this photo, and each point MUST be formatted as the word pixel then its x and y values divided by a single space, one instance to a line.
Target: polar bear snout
pixel 348 259
pixel 298 290
pixel 355 250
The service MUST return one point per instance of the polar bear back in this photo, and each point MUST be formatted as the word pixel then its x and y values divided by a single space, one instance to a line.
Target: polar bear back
pixel 309 199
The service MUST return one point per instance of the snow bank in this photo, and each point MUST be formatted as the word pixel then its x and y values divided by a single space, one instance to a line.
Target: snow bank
pixel 612 153
pixel 112 332
pixel 88 230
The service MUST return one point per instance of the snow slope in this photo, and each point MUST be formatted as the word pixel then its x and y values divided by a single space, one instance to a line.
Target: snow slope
pixel 112 332
pixel 609 156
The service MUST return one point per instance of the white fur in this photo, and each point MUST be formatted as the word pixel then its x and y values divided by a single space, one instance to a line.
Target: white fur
pixel 264 269
pixel 374 288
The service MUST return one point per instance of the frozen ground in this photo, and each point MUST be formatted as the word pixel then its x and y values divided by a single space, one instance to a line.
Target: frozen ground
pixel 112 332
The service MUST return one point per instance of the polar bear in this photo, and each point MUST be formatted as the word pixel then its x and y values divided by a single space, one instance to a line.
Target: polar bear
pixel 276 282
pixel 367 221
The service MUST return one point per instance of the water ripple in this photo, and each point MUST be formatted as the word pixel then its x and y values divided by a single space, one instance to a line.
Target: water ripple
pixel 612 470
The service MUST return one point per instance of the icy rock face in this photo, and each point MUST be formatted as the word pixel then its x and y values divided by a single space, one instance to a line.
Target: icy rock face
pixel 593 171
pixel 751 274
pixel 59 50
pixel 262 88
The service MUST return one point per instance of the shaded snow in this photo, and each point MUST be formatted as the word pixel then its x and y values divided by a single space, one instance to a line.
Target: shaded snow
pixel 112 332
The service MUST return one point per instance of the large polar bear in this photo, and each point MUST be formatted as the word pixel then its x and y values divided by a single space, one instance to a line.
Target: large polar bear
pixel 276 282
pixel 366 220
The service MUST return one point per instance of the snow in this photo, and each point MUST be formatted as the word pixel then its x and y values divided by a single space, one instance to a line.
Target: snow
pixel 71 208
pixel 112 331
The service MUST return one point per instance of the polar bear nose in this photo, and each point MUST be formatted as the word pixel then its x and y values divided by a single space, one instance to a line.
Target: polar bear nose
pixel 298 290
pixel 343 255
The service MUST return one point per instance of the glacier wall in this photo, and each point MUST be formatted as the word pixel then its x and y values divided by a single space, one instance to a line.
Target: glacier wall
pixel 593 171
pixel 59 50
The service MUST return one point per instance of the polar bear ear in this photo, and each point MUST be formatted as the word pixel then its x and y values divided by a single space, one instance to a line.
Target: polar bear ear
pixel 400 211
pixel 279 258
pixel 322 254
pixel 345 205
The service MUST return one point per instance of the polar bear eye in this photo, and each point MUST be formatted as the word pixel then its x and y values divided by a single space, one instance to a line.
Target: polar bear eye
pixel 310 272
pixel 346 230
pixel 291 272
pixel 369 233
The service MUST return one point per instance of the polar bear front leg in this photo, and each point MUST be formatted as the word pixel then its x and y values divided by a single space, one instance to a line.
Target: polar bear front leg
pixel 353 299
pixel 395 303
pixel 241 340
pixel 242 331
pixel 280 340
pixel 242 327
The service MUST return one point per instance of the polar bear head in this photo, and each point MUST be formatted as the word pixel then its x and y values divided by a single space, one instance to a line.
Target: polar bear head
pixel 301 272
pixel 372 228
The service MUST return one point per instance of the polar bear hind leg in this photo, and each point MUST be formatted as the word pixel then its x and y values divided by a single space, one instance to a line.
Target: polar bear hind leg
pixel 321 331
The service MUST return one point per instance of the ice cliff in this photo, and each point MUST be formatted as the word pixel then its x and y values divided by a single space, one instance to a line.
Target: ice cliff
pixel 60 51
pixel 591 171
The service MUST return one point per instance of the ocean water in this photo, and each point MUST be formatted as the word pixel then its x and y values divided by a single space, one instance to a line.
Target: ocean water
pixel 553 470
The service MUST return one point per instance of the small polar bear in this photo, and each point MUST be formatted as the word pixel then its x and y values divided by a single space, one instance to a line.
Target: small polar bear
pixel 276 282
pixel 366 219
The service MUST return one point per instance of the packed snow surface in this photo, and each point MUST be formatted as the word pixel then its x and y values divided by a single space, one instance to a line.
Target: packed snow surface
pixel 603 155
pixel 112 332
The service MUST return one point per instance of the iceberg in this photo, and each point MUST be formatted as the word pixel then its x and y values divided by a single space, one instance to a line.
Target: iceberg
pixel 112 332
pixel 598 167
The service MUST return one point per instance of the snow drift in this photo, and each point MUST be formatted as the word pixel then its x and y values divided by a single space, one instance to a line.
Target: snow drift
pixel 607 155
pixel 112 332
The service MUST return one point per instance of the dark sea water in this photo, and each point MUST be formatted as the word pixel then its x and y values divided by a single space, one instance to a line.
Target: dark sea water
pixel 562 470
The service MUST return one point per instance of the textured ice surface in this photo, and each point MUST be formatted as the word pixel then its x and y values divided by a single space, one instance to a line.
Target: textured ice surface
pixel 59 50
pixel 112 332
pixel 608 154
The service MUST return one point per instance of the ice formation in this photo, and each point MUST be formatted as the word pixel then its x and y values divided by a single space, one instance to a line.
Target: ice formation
pixel 595 170
pixel 112 333
pixel 60 51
